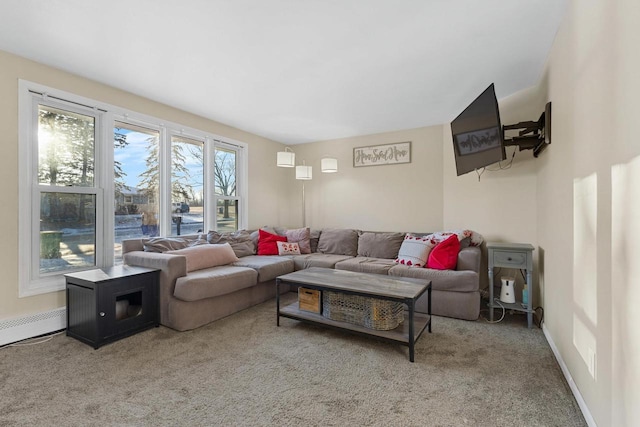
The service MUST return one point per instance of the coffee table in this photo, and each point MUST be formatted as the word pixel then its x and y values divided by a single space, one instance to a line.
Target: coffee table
pixel 404 290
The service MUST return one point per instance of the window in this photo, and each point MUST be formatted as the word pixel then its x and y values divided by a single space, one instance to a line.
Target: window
pixel 136 178
pixel 61 208
pixel 79 161
pixel 67 194
pixel 187 185
pixel 224 173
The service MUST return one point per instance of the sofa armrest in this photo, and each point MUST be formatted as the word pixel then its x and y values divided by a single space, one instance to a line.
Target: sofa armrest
pixel 130 245
pixel 171 266
pixel 469 259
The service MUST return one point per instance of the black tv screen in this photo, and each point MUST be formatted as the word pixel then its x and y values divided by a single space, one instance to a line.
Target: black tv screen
pixel 477 134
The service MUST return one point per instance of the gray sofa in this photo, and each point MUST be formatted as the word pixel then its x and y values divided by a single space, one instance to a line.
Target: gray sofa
pixel 192 299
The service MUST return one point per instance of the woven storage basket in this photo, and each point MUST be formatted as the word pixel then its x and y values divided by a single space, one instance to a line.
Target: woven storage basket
pixel 369 312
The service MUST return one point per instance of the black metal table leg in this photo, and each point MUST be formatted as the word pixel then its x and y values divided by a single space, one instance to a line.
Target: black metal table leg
pixel 277 302
pixel 429 306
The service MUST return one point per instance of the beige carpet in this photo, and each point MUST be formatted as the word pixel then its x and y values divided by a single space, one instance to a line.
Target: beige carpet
pixel 243 370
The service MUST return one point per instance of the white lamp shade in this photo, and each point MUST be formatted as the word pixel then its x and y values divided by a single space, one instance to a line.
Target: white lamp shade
pixel 286 159
pixel 303 172
pixel 329 165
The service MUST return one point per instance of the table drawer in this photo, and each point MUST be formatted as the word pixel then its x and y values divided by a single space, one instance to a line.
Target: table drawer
pixel 510 259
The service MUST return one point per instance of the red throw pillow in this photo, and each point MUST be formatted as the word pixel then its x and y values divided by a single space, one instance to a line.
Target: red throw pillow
pixel 445 255
pixel 267 243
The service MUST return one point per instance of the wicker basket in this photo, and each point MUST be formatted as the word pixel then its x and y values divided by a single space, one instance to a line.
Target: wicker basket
pixel 369 312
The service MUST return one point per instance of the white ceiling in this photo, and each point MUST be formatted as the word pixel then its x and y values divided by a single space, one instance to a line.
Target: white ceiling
pixel 294 71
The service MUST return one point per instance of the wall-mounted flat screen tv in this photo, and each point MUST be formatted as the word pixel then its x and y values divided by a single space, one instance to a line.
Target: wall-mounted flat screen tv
pixel 477 134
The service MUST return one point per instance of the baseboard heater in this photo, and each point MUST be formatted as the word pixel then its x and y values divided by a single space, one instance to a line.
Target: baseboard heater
pixel 21 328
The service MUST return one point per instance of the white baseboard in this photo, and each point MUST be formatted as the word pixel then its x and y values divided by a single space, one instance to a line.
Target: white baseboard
pixel 574 388
pixel 21 328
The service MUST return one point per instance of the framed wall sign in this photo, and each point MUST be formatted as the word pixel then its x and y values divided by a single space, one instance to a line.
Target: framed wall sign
pixel 385 154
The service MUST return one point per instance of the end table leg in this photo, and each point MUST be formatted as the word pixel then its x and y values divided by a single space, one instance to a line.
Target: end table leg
pixel 491 294
pixel 529 299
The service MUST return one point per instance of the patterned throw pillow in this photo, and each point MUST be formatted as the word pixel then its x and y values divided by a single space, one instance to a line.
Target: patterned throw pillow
pixel 414 251
pixel 287 248
pixel 465 237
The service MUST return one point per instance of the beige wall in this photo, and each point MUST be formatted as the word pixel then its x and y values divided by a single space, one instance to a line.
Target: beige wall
pixel 265 181
pixel 589 205
pixel 501 204
pixel 579 201
pixel 403 197
pixel 578 204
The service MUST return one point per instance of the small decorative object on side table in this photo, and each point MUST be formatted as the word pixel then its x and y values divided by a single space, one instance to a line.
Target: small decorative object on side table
pixel 105 305
pixel 512 255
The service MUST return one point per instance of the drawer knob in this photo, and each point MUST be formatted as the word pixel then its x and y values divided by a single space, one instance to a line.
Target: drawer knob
pixel 102 314
pixel 509 259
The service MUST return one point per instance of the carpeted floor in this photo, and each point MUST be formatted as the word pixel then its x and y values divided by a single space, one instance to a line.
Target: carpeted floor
pixel 243 370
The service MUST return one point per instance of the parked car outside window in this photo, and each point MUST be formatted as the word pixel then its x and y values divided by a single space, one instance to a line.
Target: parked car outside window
pixel 179 207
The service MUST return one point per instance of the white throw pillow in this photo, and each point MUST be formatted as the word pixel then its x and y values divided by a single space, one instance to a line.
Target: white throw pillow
pixel 288 248
pixel 414 251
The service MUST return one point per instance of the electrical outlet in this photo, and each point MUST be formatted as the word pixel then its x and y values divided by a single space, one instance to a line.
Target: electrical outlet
pixel 591 357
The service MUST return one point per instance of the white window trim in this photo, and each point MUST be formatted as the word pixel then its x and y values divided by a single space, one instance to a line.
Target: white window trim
pixel 104 183
pixel 31 282
pixel 241 183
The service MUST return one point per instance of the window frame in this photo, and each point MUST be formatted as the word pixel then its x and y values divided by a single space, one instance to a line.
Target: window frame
pixel 187 137
pixel 29 188
pixel 240 182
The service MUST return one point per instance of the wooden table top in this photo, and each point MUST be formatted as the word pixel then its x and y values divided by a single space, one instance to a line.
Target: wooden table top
pixel 373 284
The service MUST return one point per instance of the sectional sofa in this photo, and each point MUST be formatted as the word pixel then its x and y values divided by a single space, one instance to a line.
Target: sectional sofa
pixel 196 290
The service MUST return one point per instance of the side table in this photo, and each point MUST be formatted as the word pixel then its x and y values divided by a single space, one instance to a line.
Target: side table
pixel 512 255
pixel 105 305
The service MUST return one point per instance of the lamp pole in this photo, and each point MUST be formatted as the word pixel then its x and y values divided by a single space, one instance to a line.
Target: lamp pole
pixel 304 213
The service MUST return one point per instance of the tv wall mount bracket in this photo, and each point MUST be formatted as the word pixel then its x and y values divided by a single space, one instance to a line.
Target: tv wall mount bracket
pixel 532 135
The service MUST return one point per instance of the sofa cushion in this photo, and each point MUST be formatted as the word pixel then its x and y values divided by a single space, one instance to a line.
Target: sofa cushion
pixel 338 242
pixel 379 245
pixel 314 238
pixel 445 255
pixel 267 243
pixel 469 259
pixel 239 240
pixel 268 267
pixel 213 282
pixel 301 236
pixel 163 244
pixel 206 256
pixel 366 265
pixel 302 262
pixel 442 280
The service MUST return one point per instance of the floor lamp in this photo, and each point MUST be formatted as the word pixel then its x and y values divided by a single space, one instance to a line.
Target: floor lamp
pixel 287 159
pixel 304 173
